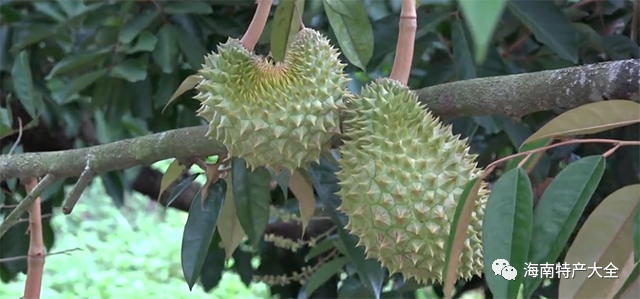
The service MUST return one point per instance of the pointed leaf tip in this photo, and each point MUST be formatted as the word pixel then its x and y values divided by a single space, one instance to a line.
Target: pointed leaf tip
pixel 199 231
pixel 188 83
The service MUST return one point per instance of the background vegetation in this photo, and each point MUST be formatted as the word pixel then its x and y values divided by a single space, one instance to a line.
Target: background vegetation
pixel 77 74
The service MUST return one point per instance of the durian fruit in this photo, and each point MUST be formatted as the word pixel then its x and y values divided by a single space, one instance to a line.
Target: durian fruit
pixel 402 174
pixel 280 115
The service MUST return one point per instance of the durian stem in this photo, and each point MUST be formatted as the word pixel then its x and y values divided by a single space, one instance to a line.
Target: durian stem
pixel 406 40
pixel 251 37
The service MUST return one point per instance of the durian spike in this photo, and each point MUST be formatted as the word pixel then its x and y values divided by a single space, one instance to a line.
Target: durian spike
pixel 259 21
pixel 406 40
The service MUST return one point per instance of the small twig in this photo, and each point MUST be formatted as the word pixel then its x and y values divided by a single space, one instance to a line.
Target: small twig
pixel 24 205
pixel 36 260
pixel 72 199
pixel 619 143
pixel 406 42
pixel 22 257
pixel 517 44
pixel 611 151
pixel 251 37
pixel 15 144
pixel 7 206
pixel 526 158
pixel 27 219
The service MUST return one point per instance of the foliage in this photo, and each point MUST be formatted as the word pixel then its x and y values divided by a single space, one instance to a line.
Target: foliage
pixel 130 252
pixel 100 71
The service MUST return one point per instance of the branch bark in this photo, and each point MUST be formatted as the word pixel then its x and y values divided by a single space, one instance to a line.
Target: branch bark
pixel 513 95
pixel 522 94
pixel 145 150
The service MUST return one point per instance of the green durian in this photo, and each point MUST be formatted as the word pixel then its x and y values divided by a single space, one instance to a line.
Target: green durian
pixel 280 115
pixel 402 174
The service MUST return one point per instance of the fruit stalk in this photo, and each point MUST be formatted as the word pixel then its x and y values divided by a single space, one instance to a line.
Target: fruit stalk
pixel 406 40
pixel 251 37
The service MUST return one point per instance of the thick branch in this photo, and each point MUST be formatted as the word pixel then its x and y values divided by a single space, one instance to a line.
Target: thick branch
pixel 145 150
pixel 522 94
pixel 514 95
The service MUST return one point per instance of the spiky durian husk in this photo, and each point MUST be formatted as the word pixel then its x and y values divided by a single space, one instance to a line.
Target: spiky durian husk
pixel 278 115
pixel 402 174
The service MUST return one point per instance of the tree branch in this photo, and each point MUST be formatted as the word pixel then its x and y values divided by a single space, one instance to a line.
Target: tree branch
pixel 145 150
pixel 26 203
pixel 513 95
pixel 522 94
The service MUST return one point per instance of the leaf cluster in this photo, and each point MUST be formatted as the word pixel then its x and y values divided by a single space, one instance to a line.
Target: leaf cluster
pixel 113 65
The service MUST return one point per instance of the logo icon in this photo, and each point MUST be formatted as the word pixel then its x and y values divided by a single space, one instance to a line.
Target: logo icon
pixel 498 265
pixel 509 273
pixel 501 267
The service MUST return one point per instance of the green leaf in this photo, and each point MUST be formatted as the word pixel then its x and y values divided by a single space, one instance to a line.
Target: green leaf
pixel 199 230
pixel 9 14
pixel 187 7
pixel 558 212
pixel 462 52
pixel 6 60
pixel 506 230
pixel 35 34
pixel 252 196
pixel 482 17
pixel 165 53
pixel 167 84
pixel 178 189
pixel 15 243
pixel 126 6
pixel 282 178
pixel 145 42
pixel 80 83
pixel 23 83
pixel 350 23
pixel 191 48
pixel 214 264
pixel 242 266
pixel 5 123
pixel 286 23
pixel 321 276
pixel 131 70
pixel 549 25
pixel 79 62
pixel 325 182
pixel 134 26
